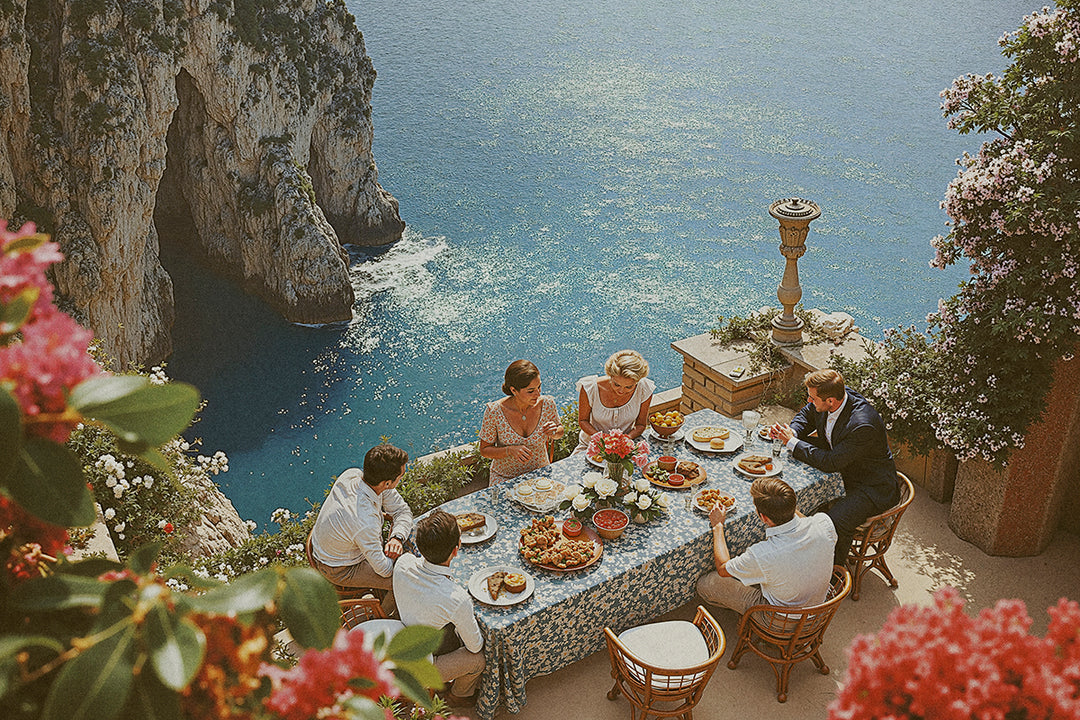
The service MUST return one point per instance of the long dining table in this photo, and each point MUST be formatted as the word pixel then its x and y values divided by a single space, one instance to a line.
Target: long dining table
pixel 650 570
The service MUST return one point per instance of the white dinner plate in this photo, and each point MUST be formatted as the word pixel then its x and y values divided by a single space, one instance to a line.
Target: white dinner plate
pixel 776 470
pixel 593 461
pixel 548 503
pixel 478 586
pixel 482 533
pixel 733 442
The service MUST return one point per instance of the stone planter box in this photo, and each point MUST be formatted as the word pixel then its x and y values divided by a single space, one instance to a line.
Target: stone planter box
pixel 1014 511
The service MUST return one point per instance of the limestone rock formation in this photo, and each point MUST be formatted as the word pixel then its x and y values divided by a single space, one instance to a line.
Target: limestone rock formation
pixel 251 119
pixel 218 526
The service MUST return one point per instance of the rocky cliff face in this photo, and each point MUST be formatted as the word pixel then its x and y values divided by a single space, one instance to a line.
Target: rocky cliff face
pixel 251 118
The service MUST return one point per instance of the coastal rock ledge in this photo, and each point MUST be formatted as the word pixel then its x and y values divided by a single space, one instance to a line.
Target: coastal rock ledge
pixel 248 121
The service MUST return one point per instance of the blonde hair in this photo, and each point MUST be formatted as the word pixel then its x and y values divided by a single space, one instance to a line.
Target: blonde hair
pixel 627 364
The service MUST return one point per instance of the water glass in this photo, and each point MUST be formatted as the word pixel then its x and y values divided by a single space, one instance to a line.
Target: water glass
pixel 777 446
pixel 750 420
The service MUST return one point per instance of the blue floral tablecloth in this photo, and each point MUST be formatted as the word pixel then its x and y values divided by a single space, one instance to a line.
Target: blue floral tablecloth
pixel 650 570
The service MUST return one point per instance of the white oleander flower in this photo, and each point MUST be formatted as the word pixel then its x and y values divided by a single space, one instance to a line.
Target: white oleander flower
pixel 571 491
pixel 644 502
pixel 630 498
pixel 120 526
pixel 663 501
pixel 591 478
pixel 641 485
pixel 580 502
pixel 110 513
pixel 606 487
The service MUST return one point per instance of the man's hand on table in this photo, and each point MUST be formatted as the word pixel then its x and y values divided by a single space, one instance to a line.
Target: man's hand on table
pixel 393 548
pixel 782 431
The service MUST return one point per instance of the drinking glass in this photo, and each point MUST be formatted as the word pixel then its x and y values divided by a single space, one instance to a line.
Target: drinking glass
pixel 750 420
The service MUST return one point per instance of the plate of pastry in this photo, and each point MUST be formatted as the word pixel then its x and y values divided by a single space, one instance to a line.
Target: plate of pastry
pixel 754 465
pixel 476 527
pixel 714 439
pixel 539 494
pixel 501 585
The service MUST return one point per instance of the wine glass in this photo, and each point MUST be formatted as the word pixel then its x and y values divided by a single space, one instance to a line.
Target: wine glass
pixel 750 420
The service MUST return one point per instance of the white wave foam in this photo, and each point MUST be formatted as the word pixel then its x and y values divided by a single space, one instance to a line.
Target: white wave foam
pixel 402 268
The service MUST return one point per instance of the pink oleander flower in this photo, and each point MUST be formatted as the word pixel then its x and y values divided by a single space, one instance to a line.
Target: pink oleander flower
pixel 322 680
pixel 939 662
pixel 50 356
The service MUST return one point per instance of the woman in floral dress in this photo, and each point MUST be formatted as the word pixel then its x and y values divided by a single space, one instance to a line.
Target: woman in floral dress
pixel 516 430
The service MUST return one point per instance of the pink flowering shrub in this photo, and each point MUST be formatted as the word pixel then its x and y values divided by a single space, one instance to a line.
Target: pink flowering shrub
pixel 51 354
pixel 323 679
pixel 937 662
pixel 989 352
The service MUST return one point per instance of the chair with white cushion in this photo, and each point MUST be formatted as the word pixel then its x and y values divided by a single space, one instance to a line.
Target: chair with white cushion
pixel 379 626
pixel 662 668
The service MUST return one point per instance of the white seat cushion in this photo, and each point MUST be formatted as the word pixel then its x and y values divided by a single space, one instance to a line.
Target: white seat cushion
pixel 379 626
pixel 672 645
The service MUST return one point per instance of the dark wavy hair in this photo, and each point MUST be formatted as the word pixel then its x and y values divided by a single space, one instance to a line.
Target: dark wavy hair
pixel 519 375
pixel 383 462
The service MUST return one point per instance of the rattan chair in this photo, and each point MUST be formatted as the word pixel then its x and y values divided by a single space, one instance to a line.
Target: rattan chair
pixel 343 592
pixel 659 691
pixel 785 635
pixel 354 612
pixel 873 538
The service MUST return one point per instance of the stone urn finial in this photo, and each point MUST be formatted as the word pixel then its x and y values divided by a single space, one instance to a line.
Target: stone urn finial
pixel 794 215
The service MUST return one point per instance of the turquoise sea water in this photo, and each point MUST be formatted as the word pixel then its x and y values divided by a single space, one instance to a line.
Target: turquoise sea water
pixel 579 176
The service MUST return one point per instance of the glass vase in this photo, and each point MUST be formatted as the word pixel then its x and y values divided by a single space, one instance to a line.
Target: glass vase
pixel 617 472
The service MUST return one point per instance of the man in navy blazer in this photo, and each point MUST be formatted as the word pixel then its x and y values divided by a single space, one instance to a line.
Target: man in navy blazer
pixel 851 440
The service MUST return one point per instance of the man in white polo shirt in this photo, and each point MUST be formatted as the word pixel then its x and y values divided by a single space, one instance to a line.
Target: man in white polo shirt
pixel 347 539
pixel 427 595
pixel 792 566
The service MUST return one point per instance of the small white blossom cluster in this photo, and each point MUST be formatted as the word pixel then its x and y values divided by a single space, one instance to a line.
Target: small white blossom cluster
pixel 215 464
pixel 281 516
pixel 177 585
pixel 157 375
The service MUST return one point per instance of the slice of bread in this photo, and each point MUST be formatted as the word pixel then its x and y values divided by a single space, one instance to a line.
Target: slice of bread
pixel 470 521
pixel 496 583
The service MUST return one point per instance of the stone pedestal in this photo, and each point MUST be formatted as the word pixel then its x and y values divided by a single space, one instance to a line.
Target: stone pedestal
pixel 1014 511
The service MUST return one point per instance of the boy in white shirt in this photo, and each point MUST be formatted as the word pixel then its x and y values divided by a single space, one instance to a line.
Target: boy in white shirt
pixel 427 595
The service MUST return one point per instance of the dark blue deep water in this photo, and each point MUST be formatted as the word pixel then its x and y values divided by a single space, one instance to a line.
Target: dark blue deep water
pixel 580 176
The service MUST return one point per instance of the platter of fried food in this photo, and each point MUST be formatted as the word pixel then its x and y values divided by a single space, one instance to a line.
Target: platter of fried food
pixel 693 473
pixel 752 465
pixel 501 585
pixel 476 526
pixel 714 439
pixel 706 499
pixel 544 545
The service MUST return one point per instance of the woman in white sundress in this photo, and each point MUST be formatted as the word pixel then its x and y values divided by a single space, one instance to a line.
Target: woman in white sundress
pixel 617 401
